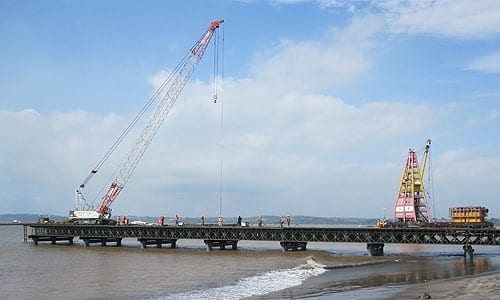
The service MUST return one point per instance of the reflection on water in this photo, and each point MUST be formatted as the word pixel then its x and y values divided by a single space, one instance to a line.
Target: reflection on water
pixel 472 266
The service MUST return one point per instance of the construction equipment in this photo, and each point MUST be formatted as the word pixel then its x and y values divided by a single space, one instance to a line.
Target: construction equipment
pixel 466 217
pixel 412 209
pixel 171 89
pixel 411 204
pixel 468 214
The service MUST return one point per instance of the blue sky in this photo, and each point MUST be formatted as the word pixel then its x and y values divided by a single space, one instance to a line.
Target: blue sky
pixel 322 100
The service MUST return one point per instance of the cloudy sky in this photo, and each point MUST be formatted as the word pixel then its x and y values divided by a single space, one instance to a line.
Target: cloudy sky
pixel 321 101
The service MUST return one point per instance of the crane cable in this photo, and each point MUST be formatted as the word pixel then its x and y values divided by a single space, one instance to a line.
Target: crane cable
pixel 216 74
pixel 431 181
pixel 216 66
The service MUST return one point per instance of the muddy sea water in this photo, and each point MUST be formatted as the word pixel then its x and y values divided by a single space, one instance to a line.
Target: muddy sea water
pixel 257 270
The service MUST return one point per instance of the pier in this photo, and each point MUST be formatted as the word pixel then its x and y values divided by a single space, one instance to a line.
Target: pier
pixel 290 238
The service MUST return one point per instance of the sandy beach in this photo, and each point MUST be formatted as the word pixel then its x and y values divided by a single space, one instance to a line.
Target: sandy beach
pixel 483 286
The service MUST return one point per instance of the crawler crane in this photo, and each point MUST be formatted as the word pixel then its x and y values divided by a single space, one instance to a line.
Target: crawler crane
pixel 171 89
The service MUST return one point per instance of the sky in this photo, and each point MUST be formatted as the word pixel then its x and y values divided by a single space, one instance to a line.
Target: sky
pixel 319 104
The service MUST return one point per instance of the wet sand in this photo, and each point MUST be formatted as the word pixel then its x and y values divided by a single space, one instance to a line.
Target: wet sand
pixel 483 286
pixel 397 277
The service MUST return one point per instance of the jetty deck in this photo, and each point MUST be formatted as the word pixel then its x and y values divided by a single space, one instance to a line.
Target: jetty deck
pixel 290 238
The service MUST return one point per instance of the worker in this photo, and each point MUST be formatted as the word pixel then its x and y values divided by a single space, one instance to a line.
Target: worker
pixel 260 220
pixel 202 220
pixel 281 220
pixel 161 221
pixel 177 219
pixel 219 220
pixel 118 220
pixel 288 220
pixel 239 221
pixel 125 220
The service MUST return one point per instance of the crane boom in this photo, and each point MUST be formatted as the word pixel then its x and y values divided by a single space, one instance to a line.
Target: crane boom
pixel 424 158
pixel 175 82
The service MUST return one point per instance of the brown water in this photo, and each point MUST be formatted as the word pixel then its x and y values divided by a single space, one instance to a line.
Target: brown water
pixel 257 270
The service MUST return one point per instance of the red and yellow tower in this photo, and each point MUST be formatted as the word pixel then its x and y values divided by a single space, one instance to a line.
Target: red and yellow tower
pixel 411 204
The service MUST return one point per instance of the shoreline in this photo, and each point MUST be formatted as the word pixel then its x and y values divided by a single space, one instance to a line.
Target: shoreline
pixel 397 277
pixel 484 286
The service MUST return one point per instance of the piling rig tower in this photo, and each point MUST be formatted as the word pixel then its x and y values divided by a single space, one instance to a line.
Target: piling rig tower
pixel 411 204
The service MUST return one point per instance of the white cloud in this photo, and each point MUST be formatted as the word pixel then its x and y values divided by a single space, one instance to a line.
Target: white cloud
pixel 488 63
pixel 464 178
pixel 341 57
pixel 286 153
pixel 455 18
pixel 282 153
pixel 311 65
pixel 44 156
pixel 476 120
pixel 157 79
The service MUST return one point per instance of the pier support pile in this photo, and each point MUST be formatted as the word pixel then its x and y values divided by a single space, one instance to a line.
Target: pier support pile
pixel 375 249
pixel 210 244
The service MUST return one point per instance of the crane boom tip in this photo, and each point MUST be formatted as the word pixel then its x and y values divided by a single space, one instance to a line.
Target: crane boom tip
pixel 215 24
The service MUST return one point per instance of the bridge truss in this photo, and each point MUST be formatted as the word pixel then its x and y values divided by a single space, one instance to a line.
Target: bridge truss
pixel 443 236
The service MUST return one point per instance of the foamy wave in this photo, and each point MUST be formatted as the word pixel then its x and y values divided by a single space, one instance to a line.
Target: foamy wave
pixel 257 285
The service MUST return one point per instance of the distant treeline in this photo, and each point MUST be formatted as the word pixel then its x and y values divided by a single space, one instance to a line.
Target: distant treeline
pixel 7 218
pixel 269 220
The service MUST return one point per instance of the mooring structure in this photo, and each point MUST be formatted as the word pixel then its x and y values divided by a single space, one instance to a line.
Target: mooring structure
pixel 290 238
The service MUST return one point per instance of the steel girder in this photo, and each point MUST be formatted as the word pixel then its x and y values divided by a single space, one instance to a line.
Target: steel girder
pixel 292 234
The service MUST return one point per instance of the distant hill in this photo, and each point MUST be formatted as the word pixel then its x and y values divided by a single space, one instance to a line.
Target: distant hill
pixel 268 220
pixel 8 218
